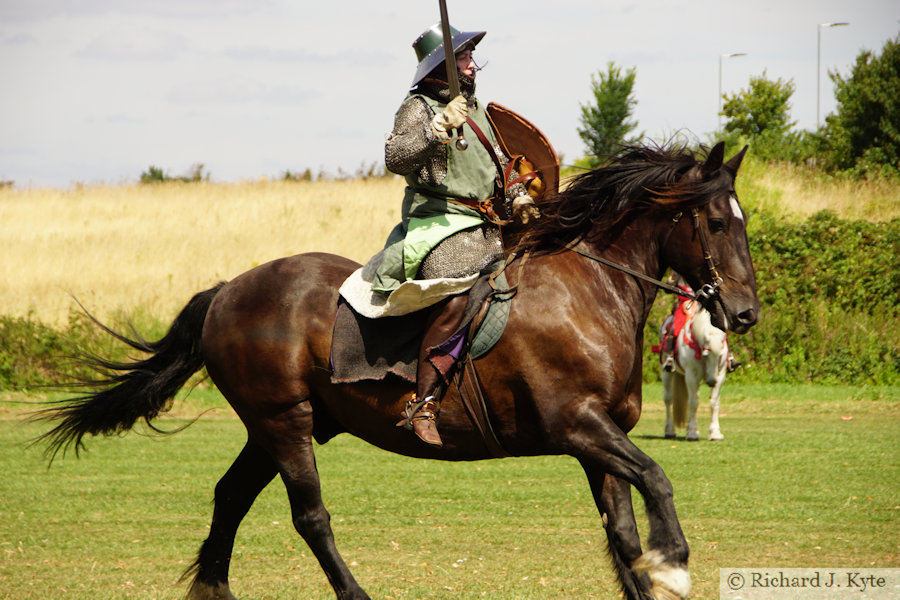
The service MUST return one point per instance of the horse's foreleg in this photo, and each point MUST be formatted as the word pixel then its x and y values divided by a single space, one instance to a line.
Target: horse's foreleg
pixel 297 465
pixel 613 499
pixel 248 476
pixel 602 447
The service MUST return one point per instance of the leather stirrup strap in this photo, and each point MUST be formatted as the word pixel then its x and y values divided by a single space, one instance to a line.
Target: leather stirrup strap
pixel 472 397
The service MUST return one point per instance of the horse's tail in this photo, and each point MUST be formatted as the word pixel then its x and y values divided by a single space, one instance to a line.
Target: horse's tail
pixel 679 400
pixel 129 391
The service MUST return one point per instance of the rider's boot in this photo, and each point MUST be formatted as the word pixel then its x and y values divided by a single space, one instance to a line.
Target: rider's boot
pixel 668 364
pixel 733 363
pixel 443 322
pixel 667 353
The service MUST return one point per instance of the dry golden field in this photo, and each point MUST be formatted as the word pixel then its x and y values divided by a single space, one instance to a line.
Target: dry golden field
pixel 790 190
pixel 151 247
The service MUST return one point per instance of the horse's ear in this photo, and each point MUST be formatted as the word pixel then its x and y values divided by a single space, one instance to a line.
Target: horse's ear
pixel 714 160
pixel 734 163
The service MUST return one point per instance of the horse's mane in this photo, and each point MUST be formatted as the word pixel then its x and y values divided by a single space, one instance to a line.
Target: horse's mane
pixel 596 204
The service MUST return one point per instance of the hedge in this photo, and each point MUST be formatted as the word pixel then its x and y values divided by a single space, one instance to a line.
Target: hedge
pixel 829 292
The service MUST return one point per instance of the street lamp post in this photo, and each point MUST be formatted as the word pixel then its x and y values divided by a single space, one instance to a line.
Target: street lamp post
pixel 819 63
pixel 721 56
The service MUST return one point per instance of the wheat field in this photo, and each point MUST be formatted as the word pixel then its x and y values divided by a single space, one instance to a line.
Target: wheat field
pixel 151 247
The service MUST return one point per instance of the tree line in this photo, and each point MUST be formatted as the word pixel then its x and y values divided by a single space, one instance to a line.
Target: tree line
pixel 860 139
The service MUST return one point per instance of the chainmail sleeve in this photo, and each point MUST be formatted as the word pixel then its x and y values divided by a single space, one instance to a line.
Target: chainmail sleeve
pixel 412 146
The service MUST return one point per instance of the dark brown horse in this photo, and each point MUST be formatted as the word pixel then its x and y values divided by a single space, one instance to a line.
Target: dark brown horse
pixel 564 379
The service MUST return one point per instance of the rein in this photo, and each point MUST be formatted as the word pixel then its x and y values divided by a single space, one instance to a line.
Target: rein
pixel 707 293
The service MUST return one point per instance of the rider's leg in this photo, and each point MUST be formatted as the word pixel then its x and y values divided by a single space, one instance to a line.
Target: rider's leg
pixel 667 346
pixel 443 322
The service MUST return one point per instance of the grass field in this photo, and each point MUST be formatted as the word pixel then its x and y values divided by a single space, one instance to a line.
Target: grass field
pixel 808 476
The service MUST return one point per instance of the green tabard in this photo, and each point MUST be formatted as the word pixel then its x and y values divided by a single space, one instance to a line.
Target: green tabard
pixel 427 219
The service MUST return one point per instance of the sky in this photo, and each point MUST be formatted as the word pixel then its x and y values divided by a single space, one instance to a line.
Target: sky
pixel 96 91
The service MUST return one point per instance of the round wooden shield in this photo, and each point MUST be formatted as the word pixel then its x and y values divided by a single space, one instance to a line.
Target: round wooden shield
pixel 518 136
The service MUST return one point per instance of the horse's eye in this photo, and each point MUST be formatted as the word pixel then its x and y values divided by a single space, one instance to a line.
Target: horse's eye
pixel 716 225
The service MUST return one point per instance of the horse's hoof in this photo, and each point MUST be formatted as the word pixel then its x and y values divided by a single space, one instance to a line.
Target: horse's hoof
pixel 670 582
pixel 693 438
pixel 716 437
pixel 670 436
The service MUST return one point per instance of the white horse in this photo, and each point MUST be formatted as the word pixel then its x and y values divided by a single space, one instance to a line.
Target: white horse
pixel 701 354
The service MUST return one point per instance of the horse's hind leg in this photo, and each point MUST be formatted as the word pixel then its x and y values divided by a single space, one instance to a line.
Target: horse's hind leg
pixel 297 465
pixel 715 434
pixel 692 382
pixel 248 476
pixel 669 381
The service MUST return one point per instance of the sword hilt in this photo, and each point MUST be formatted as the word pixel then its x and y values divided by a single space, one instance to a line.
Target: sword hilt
pixel 461 143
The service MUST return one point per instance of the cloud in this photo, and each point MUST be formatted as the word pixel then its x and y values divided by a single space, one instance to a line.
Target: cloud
pixel 132 43
pixel 302 56
pixel 240 92
pixel 115 119
pixel 266 54
pixel 20 39
pixel 41 10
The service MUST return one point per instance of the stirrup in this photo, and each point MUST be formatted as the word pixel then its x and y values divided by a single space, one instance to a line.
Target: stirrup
pixel 421 419
pixel 413 406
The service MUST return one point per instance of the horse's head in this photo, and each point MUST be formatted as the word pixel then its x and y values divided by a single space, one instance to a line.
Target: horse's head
pixel 661 205
pixel 707 240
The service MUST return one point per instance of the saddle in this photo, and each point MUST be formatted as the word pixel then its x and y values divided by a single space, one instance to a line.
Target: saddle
pixel 374 349
pixel 682 319
pixel 364 349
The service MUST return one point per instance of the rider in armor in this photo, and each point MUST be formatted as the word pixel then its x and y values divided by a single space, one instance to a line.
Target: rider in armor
pixel 454 202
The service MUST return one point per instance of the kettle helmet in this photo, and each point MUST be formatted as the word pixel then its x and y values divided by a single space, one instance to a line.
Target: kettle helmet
pixel 429 48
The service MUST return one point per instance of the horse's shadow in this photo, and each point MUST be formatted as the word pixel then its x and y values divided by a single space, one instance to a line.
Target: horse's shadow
pixel 649 436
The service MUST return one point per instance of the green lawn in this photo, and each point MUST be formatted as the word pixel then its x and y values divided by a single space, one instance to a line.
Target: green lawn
pixel 807 476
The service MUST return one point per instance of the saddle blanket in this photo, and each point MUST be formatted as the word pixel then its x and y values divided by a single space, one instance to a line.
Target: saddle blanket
pixel 364 348
pixel 682 317
pixel 410 297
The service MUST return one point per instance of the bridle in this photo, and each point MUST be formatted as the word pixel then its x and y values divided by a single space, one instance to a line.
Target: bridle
pixel 708 293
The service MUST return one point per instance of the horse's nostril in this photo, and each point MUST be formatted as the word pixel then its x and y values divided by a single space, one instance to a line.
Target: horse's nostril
pixel 747 317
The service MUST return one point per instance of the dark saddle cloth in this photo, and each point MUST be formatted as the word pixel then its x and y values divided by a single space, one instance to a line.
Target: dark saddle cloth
pixel 371 349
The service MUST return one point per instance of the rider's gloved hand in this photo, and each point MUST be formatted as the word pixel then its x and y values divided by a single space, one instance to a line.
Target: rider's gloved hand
pixel 524 209
pixel 452 117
